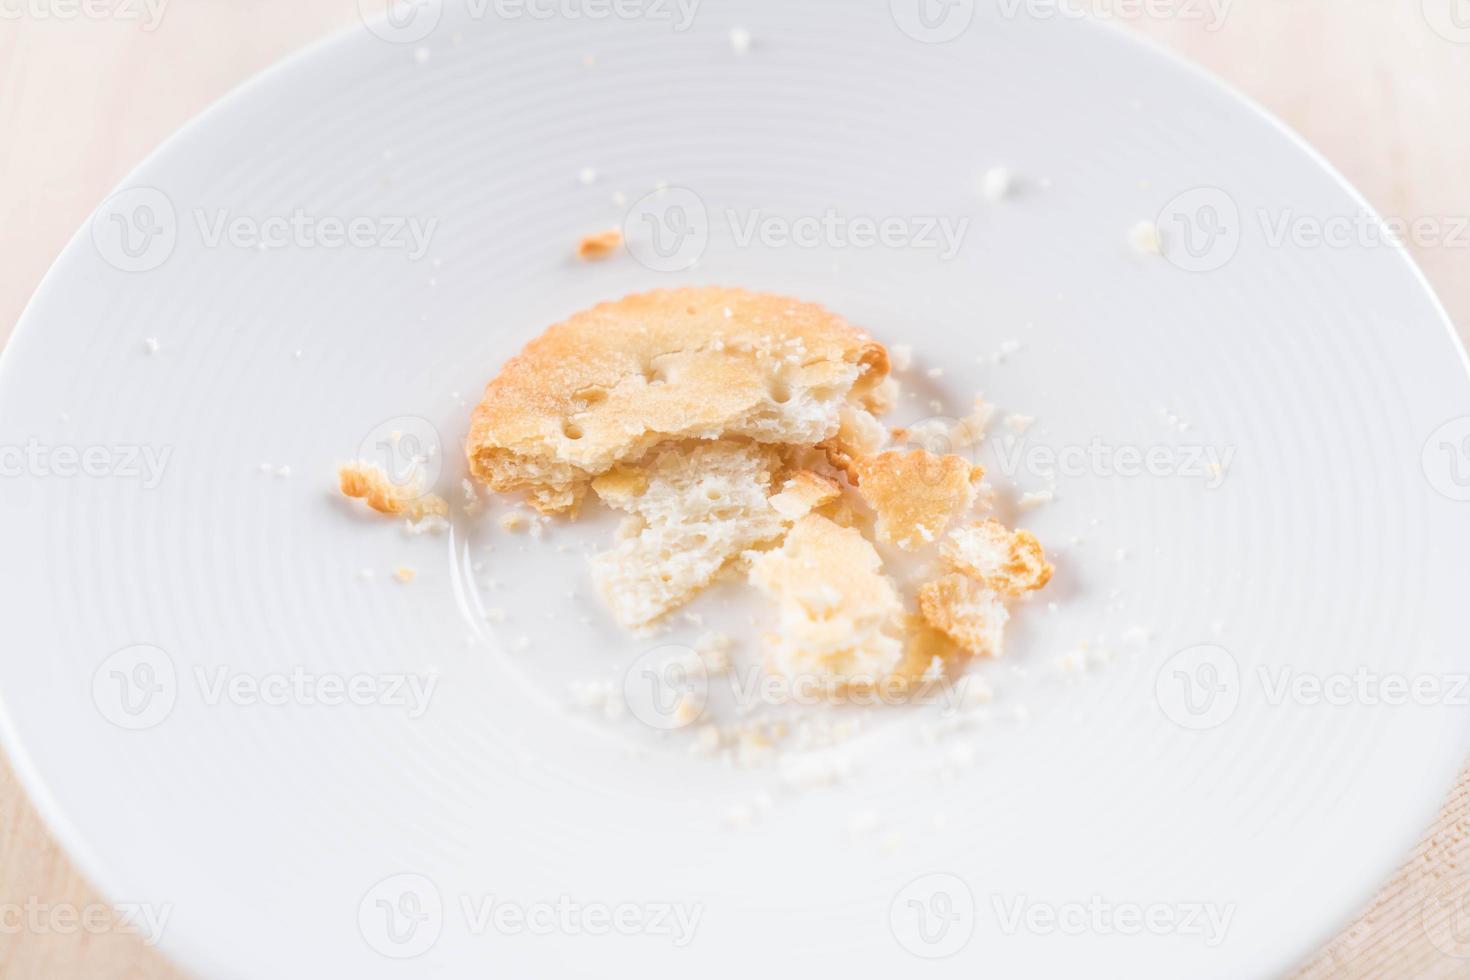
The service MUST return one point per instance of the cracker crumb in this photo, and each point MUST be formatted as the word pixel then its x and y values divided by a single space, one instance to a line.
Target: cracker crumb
pixel 971 691
pixel 405 574
pixel 967 612
pixel 1072 662
pixel 996 184
pixel 1009 562
pixel 587 176
pixel 740 40
pixel 916 494
pixel 367 482
pixel 901 357
pixel 1035 498
pixel 1144 237
pixel 740 817
pixel 600 245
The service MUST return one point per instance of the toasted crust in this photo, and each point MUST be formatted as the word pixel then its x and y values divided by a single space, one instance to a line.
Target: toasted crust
pixel 916 494
pixel 965 611
pixel 367 482
pixel 1009 562
pixel 859 434
pixel 610 383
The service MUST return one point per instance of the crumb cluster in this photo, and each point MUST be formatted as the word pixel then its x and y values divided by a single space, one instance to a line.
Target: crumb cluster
pixel 739 434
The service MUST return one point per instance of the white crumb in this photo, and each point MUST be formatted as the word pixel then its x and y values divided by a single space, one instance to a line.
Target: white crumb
pixel 150 345
pixel 996 183
pixel 901 357
pixel 1019 423
pixel 1035 498
pixel 1144 237
pixel 707 739
pixel 971 691
pixel 1073 662
pixel 588 176
pixel 740 40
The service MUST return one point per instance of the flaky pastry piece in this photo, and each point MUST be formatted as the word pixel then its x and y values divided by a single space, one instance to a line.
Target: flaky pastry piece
pixel 1009 562
pixel 367 482
pixel 916 493
pixel 609 384
pixel 841 618
pixel 693 509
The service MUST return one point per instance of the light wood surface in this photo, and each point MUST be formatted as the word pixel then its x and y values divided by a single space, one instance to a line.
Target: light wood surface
pixel 1371 84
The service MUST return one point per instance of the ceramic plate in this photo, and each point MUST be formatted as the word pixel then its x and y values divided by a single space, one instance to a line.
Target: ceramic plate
pixel 1211 740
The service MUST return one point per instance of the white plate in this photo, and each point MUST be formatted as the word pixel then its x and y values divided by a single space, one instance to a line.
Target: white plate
pixel 295 839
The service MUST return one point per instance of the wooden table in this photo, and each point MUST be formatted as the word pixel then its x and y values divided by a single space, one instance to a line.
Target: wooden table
pixel 1372 84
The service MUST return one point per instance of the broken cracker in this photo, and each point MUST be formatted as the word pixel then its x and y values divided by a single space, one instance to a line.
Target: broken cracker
pixel 1008 562
pixel 609 384
pixel 967 612
pixel 841 617
pixel 916 494
pixel 369 483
